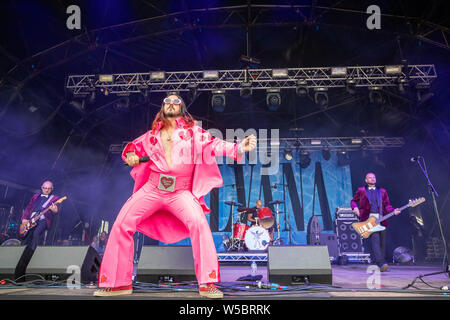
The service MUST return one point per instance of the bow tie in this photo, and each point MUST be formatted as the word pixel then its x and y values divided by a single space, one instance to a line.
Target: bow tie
pixel 44 195
pixel 372 188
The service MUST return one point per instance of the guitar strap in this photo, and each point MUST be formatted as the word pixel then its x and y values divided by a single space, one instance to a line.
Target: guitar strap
pixel 44 205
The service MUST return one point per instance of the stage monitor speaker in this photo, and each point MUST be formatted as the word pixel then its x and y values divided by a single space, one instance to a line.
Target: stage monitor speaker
pixel 49 261
pixel 293 265
pixel 166 264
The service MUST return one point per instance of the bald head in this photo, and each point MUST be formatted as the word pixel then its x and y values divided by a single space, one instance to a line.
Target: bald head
pixel 47 187
pixel 258 204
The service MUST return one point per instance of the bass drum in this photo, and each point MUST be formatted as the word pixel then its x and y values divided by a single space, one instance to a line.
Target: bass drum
pixel 257 238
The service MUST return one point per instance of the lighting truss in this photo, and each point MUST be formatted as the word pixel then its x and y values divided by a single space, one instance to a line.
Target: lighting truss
pixel 375 143
pixel 320 77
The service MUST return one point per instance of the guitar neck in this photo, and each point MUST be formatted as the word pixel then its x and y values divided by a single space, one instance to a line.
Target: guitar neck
pixel 391 214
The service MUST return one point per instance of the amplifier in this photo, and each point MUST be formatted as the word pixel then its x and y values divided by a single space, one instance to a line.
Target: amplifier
pixel 345 213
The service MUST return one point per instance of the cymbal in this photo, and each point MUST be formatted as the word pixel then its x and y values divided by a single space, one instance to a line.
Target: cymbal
pixel 249 210
pixel 276 202
pixel 232 203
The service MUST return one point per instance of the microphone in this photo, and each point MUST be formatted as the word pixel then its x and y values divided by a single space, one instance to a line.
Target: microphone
pixel 141 159
pixel 414 159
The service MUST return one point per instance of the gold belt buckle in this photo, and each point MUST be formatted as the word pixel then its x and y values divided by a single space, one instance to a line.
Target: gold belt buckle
pixel 166 182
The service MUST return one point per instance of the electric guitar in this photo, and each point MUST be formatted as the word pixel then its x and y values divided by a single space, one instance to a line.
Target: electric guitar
pixel 27 226
pixel 366 228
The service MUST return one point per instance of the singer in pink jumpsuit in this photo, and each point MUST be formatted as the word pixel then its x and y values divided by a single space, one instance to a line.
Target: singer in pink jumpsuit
pixel 169 216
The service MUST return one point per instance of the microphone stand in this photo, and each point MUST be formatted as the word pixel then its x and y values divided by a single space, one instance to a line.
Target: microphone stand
pixel 434 194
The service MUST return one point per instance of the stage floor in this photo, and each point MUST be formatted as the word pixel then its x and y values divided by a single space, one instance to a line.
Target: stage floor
pixel 349 282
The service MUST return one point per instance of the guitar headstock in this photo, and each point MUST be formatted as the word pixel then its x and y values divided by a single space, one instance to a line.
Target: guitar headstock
pixel 416 202
pixel 61 199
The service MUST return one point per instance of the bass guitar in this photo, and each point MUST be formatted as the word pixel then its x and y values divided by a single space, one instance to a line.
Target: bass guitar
pixel 27 226
pixel 371 225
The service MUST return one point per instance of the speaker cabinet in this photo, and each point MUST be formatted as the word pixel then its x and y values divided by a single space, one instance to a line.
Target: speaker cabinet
pixel 293 265
pixel 166 264
pixel 50 261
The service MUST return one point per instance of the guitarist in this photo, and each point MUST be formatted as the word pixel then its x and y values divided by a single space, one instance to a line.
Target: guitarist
pixel 38 203
pixel 374 201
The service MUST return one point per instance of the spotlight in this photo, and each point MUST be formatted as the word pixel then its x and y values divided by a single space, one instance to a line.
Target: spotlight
pixel 288 154
pixel 375 96
pixel 350 86
pixel 321 97
pixel 397 69
pixel 157 75
pixel 343 159
pixel 273 99
pixel 326 154
pixel 218 100
pixel 105 91
pixel 305 159
pixel 106 78
pixel 401 85
pixel 246 90
pixel 211 74
pixel 302 88
pixel 423 92
pixel 339 71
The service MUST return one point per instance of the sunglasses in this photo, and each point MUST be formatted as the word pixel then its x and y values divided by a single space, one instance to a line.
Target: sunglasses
pixel 172 101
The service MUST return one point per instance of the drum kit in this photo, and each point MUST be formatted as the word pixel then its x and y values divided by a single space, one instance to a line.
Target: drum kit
pixel 256 237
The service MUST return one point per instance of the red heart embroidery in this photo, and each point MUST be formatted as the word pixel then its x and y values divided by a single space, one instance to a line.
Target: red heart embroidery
pixel 166 182
pixel 212 275
pixel 103 278
pixel 153 140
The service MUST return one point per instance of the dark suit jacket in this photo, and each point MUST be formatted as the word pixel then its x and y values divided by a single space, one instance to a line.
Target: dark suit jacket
pixel 29 210
pixel 364 204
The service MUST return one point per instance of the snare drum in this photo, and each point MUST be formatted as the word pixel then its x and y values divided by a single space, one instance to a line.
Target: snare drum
pixel 239 230
pixel 265 218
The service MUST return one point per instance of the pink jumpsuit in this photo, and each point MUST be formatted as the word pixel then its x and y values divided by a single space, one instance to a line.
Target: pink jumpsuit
pixel 165 215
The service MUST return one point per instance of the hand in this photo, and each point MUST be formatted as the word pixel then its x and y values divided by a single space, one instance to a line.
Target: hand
pixel 132 159
pixel 356 211
pixel 397 212
pixel 53 208
pixel 24 221
pixel 249 143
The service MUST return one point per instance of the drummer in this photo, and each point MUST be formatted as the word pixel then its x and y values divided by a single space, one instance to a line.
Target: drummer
pixel 252 217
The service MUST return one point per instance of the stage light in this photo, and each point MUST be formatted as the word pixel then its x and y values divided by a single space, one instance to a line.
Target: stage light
pixel 397 69
pixel 350 85
pixel 305 159
pixel 423 92
pixel 339 71
pixel 288 154
pixel 218 101
pixel 356 141
pixel 105 91
pixel 273 99
pixel 280 73
pixel 343 159
pixel 326 154
pixel 316 142
pixel 401 84
pixel 375 95
pixel 302 88
pixel 246 90
pixel 321 97
pixel 157 75
pixel 211 74
pixel 106 78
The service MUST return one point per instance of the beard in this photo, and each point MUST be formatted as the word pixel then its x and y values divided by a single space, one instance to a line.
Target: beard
pixel 171 113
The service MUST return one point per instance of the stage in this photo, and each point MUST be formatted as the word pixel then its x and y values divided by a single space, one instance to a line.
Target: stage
pixel 349 282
